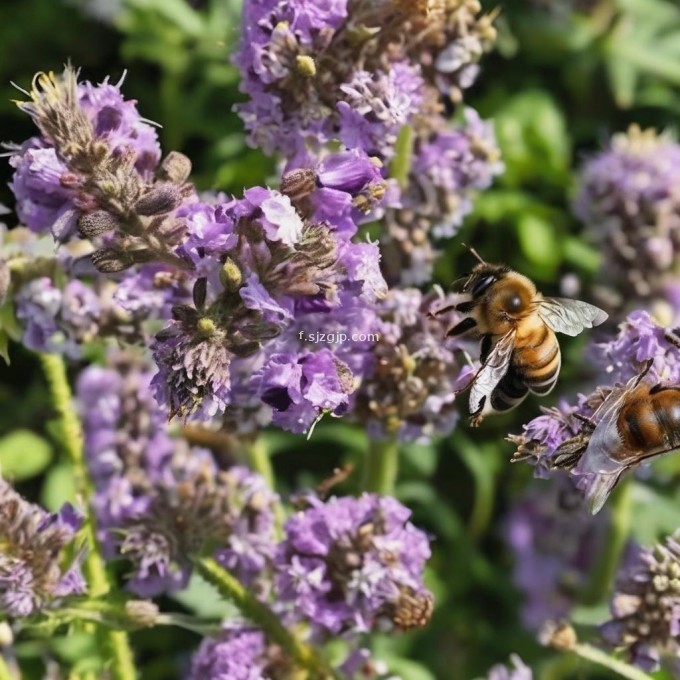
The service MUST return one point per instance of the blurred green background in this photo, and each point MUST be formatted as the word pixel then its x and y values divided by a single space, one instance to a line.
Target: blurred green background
pixel 564 76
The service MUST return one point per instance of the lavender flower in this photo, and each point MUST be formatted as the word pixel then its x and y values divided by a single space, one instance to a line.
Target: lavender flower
pixel 645 606
pixel 449 167
pixel 267 267
pixel 32 574
pixel 410 390
pixel 628 198
pixel 519 671
pixel 167 501
pixel 351 564
pixel 307 85
pixel 239 653
pixel 556 545
pixel 96 169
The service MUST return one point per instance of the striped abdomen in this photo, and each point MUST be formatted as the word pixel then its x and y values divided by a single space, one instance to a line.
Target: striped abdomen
pixel 534 367
pixel 648 422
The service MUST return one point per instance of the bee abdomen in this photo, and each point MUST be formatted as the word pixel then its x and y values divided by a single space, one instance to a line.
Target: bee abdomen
pixel 509 392
pixel 540 365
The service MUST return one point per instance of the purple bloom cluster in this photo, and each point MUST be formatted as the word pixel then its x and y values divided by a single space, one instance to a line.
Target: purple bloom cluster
pixel 33 545
pixel 410 390
pixel 269 267
pixel 46 191
pixel 629 200
pixel 239 653
pixel 556 545
pixel 166 500
pixel 645 606
pixel 519 671
pixel 309 84
pixel 350 565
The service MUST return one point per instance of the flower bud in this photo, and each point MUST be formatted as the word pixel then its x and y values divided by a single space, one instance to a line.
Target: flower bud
pixel 231 276
pixel 143 613
pixel 110 260
pixel 96 223
pixel 305 65
pixel 162 198
pixel 298 184
pixel 175 168
pixel 206 327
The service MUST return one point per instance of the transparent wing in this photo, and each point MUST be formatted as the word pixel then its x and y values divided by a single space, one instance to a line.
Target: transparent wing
pixel 570 317
pixel 491 372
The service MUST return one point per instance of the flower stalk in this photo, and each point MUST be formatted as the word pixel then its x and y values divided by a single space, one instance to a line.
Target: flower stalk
pixel 381 466
pixel 229 587
pixel 116 642
pixel 597 656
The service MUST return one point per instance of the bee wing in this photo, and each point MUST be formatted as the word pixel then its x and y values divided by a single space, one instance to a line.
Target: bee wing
pixel 491 372
pixel 570 317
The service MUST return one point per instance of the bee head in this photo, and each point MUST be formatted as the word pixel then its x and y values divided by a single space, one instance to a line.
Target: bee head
pixel 483 276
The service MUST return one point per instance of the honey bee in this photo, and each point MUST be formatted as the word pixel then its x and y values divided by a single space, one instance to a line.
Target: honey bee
pixel 517 325
pixel 636 421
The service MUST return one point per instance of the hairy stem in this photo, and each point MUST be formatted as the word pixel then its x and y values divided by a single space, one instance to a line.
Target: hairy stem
pixel 590 653
pixel 381 466
pixel 116 642
pixel 229 587
pixel 259 461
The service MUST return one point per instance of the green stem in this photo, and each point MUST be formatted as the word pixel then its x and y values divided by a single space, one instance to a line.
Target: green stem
pixel 590 653
pixel 260 461
pixel 403 156
pixel 122 666
pixel 603 575
pixel 229 587
pixel 381 466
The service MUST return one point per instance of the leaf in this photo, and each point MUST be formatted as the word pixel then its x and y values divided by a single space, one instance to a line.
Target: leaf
pixel 204 600
pixel 539 240
pixel 23 454
pixel 58 487
pixel 654 515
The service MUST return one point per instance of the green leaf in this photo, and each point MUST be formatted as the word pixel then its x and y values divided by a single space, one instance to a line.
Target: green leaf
pixel 204 600
pixel 654 515
pixel 58 487
pixel 23 454
pixel 539 240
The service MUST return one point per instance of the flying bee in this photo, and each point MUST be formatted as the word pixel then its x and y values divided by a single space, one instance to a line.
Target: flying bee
pixel 635 422
pixel 517 325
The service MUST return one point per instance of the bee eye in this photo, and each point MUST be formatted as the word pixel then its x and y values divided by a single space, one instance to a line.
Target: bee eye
pixel 513 303
pixel 482 284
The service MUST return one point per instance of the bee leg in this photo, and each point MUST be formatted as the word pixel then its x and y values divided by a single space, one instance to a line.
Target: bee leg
pixel 673 336
pixel 585 420
pixel 439 312
pixel 465 307
pixel 461 327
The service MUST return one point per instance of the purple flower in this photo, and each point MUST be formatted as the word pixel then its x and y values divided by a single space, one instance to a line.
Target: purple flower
pixel 32 575
pixel 58 320
pixel 645 606
pixel 351 564
pixel 519 671
pixel 239 653
pixel 42 184
pixel 628 198
pixel 159 501
pixel 556 545
pixel 409 388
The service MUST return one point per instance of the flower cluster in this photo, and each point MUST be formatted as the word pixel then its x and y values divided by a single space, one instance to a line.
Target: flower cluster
pixel 160 502
pixel 556 545
pixel 95 171
pixel 642 353
pixel 410 392
pixel 645 606
pixel 34 543
pixel 370 76
pixel 629 200
pixel 352 564
pixel 268 265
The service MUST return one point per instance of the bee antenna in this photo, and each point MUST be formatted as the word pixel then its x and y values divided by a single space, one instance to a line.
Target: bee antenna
pixel 474 252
